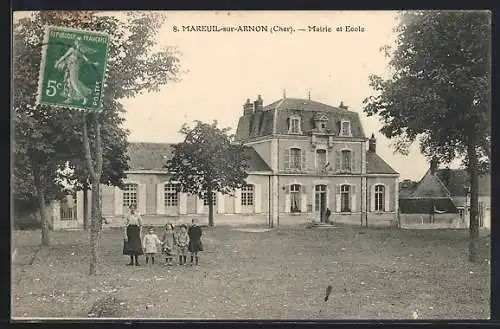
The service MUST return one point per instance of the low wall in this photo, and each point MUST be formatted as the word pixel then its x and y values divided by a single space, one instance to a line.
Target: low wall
pixel 424 221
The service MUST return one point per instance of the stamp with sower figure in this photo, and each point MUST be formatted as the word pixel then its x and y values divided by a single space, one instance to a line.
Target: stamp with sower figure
pixel 73 68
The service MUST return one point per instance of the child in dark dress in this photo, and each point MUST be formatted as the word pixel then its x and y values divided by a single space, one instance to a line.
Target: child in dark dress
pixel 195 245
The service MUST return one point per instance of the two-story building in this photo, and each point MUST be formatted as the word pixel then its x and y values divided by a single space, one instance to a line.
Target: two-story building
pixel 319 159
pixel 305 157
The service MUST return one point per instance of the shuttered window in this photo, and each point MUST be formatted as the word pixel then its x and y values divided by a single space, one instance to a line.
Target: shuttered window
pixel 205 199
pixel 295 158
pixel 130 195
pixel 171 195
pixel 345 198
pixel 346 161
pixel 379 198
pixel 295 198
pixel 247 195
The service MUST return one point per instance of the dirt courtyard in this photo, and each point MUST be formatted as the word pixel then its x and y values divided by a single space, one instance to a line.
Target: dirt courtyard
pixel 259 274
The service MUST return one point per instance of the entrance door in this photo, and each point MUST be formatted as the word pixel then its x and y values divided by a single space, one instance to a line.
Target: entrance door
pixel 320 201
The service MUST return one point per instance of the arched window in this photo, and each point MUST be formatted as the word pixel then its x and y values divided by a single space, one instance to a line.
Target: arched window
pixel 345 198
pixel 379 198
pixel 320 198
pixel 295 198
pixel 247 195
pixel 130 194
pixel 171 195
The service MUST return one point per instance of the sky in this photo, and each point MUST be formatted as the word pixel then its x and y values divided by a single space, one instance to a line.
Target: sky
pixel 226 68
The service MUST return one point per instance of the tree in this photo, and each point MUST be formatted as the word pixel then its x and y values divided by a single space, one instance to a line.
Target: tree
pixel 207 161
pixel 115 158
pixel 34 152
pixel 439 92
pixel 133 67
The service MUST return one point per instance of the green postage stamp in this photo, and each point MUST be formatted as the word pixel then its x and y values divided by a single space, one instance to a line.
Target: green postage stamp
pixel 73 68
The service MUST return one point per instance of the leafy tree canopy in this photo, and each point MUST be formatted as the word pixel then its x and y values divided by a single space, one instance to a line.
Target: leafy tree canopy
pixel 207 160
pixel 439 91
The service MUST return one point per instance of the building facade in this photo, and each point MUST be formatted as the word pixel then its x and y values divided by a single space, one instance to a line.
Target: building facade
pixel 305 157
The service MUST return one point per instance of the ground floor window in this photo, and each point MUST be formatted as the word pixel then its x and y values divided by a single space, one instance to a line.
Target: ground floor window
pixel 379 198
pixel 171 195
pixel 345 198
pixel 295 198
pixel 205 199
pixel 247 195
pixel 130 195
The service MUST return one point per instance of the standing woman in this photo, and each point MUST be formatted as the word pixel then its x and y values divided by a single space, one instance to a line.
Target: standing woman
pixel 133 245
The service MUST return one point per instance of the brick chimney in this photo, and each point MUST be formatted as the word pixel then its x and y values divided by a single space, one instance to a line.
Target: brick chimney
pixel 258 104
pixel 342 106
pixel 372 144
pixel 247 107
pixel 434 165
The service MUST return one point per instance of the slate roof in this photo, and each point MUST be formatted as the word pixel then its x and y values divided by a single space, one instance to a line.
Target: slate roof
pixel 456 179
pixel 261 123
pixel 428 194
pixel 153 156
pixel 430 186
pixel 376 165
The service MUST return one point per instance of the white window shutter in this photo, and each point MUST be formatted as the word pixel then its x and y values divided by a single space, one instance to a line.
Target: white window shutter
pixel 220 203
pixel 303 201
pixel 353 198
pixel 142 198
pixel 386 197
pixel 353 161
pixel 372 198
pixel 118 201
pixel 327 196
pixel 337 161
pixel 257 197
pixel 287 203
pixel 338 207
pixel 303 163
pixel 237 201
pixel 182 203
pixel 199 205
pixel 160 198
pixel 287 159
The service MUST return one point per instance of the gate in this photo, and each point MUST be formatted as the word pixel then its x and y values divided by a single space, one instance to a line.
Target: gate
pixel 68 209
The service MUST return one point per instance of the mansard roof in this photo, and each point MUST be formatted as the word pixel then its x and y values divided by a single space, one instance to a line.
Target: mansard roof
pixel 261 123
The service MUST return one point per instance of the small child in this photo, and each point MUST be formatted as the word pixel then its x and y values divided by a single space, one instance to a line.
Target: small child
pixel 149 243
pixel 182 241
pixel 195 245
pixel 168 244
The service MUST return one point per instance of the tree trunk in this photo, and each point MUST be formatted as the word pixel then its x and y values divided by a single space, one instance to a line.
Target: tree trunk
pixel 95 228
pixel 473 221
pixel 210 208
pixel 41 204
pixel 95 178
pixel 85 206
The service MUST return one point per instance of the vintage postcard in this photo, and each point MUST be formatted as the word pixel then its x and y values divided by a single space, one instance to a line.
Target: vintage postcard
pixel 243 165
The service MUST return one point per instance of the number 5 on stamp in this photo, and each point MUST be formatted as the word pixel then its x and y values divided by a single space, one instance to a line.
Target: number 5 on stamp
pixel 73 68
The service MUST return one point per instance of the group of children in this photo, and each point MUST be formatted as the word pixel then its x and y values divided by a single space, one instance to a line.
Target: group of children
pixel 175 241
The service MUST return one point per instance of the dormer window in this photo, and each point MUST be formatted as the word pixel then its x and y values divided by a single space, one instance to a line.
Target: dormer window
pixel 320 121
pixel 294 125
pixel 345 128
